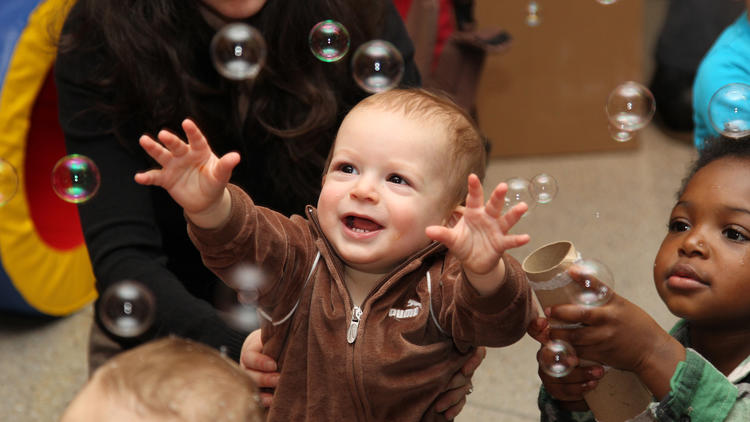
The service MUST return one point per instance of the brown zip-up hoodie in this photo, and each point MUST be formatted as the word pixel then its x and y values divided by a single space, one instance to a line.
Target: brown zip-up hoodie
pixel 387 361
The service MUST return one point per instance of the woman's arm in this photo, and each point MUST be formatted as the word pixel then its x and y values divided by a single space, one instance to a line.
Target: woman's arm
pixel 131 231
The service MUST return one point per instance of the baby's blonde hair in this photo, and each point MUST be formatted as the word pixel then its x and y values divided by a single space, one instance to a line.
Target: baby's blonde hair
pixel 467 148
pixel 173 378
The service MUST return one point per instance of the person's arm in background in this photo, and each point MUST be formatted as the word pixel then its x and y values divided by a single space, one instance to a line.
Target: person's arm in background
pixel 395 32
pixel 123 233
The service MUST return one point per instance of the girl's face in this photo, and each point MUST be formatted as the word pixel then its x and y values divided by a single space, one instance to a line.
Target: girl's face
pixel 236 9
pixel 702 270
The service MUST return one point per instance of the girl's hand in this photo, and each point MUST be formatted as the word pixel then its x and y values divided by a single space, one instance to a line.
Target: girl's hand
pixel 621 335
pixel 480 237
pixel 192 174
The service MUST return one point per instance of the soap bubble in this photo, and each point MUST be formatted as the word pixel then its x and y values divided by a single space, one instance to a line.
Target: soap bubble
pixel 75 178
pixel 606 2
pixel 596 281
pixel 519 190
pixel 729 110
pixel 557 358
pixel 377 66
pixel 127 308
pixel 8 182
pixel 630 106
pixel 238 51
pixel 329 41
pixel 618 134
pixel 543 188
pixel 532 14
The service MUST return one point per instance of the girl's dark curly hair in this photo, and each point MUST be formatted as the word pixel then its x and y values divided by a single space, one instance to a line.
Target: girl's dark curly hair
pixel 714 149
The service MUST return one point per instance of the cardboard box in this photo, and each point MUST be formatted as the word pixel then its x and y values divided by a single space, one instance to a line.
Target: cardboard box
pixel 547 94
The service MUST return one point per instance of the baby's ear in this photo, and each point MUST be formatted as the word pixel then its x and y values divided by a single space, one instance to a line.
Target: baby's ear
pixel 456 215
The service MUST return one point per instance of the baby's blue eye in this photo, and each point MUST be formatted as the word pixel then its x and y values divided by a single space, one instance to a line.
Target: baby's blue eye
pixel 395 178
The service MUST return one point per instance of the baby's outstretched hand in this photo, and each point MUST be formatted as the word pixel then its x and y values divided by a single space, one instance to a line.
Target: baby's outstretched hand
pixel 480 237
pixel 192 174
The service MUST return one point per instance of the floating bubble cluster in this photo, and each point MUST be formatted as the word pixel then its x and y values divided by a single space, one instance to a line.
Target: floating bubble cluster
pixel 329 41
pixel 238 51
pixel 127 309
pixel 8 182
pixel 729 110
pixel 377 66
pixel 75 178
pixel 557 358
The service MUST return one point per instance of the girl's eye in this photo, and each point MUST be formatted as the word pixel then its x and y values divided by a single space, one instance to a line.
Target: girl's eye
pixel 735 235
pixel 395 178
pixel 678 226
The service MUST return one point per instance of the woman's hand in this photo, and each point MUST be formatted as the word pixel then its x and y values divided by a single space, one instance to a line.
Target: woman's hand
pixel 452 400
pixel 262 369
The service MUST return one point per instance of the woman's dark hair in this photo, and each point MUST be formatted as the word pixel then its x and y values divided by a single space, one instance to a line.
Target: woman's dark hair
pixel 152 59
pixel 714 149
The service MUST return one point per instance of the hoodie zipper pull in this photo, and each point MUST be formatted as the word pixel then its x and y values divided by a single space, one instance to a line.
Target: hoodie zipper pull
pixel 351 333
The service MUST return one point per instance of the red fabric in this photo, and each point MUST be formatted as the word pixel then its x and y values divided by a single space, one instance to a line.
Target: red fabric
pixel 403 7
pixel 445 26
pixel 56 221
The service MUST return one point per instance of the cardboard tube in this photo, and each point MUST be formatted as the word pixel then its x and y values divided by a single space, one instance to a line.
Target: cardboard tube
pixel 545 268
pixel 620 395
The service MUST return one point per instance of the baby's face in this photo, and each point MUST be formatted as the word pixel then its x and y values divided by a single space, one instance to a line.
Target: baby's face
pixel 702 270
pixel 386 183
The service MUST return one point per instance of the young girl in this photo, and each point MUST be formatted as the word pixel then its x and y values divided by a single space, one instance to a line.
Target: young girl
pixel 698 371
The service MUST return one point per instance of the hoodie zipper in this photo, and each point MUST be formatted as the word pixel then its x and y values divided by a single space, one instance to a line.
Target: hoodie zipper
pixel 351 333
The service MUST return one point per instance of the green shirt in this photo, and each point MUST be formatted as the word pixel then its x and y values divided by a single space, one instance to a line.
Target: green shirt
pixel 699 393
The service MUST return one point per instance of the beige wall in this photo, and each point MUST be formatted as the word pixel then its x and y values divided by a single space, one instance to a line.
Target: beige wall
pixel 547 93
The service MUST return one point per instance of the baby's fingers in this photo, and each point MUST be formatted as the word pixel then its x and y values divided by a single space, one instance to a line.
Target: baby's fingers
pixel 475 197
pixel 513 216
pixel 151 177
pixel 496 202
pixel 155 150
pixel 226 164
pixel 441 234
pixel 195 136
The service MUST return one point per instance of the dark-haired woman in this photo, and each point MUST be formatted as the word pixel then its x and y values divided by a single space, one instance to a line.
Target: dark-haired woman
pixel 126 68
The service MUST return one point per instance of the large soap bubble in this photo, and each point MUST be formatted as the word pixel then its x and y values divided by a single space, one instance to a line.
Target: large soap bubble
pixel 238 51
pixel 729 110
pixel 557 358
pixel 329 41
pixel 543 188
pixel 595 280
pixel 127 308
pixel 519 190
pixel 630 106
pixel 377 66
pixel 75 178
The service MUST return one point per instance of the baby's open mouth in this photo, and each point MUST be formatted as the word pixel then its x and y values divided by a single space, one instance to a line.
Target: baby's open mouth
pixel 361 224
